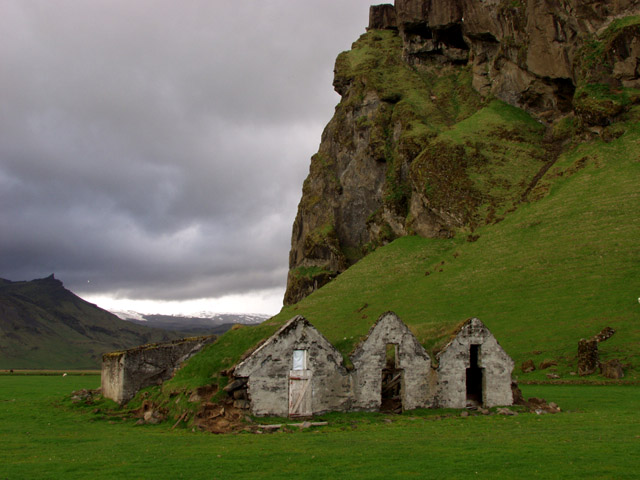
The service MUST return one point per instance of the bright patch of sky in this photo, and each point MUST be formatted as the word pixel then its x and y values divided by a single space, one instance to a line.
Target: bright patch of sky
pixel 265 302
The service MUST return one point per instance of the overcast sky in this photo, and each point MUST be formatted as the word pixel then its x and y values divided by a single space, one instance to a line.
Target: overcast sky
pixel 154 150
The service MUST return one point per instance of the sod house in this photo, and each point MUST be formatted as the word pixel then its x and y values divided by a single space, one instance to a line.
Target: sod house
pixel 297 372
pixel 473 369
pixel 392 371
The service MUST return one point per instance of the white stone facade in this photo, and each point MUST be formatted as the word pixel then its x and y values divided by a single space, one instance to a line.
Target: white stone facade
pixel 411 359
pixel 276 388
pixel 494 364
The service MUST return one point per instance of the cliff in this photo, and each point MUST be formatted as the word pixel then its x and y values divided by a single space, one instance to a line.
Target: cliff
pixel 450 113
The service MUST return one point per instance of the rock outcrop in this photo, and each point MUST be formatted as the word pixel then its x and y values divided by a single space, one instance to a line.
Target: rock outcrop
pixel 383 17
pixel 532 54
pixel 397 159
pixel 588 356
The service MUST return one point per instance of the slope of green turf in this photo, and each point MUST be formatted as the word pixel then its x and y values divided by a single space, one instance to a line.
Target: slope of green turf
pixel 557 269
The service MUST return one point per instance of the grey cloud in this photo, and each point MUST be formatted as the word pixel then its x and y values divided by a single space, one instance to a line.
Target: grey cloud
pixel 158 148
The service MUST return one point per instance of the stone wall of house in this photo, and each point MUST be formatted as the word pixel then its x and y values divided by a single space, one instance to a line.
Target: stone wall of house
pixel 369 359
pixel 125 373
pixel 269 367
pixel 453 362
pixel 268 370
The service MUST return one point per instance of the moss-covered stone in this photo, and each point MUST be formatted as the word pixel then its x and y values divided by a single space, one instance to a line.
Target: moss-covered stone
pixel 596 104
pixel 440 175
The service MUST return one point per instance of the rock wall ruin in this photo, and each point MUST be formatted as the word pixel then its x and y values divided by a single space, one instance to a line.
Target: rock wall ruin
pixel 273 370
pixel 409 359
pixel 125 373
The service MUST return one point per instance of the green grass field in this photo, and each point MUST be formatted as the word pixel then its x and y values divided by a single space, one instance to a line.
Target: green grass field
pixel 44 436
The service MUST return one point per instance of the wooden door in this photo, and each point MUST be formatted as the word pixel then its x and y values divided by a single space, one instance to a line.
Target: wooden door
pixel 300 393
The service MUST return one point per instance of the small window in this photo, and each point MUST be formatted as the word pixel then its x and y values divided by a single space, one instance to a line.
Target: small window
pixel 299 359
pixel 391 355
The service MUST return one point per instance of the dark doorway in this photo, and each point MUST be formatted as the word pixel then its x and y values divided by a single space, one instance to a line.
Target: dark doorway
pixel 391 389
pixel 474 377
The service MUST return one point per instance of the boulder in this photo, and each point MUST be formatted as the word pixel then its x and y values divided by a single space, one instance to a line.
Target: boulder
pixel 518 398
pixel 382 17
pixel 240 394
pixel 547 363
pixel 587 356
pixel 605 334
pixel 242 404
pixel 612 369
pixel 152 417
pixel 536 401
pixel 235 385
pixel 528 366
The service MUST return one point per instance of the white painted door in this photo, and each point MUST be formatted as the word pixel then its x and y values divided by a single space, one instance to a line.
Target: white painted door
pixel 300 393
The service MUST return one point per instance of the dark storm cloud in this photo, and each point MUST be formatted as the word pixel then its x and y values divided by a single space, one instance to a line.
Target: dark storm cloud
pixel 156 149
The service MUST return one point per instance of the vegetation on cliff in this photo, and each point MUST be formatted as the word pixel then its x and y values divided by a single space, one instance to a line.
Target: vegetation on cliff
pixel 421 142
pixel 409 151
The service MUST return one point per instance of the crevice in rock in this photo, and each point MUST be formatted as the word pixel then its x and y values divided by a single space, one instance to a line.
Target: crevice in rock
pixel 451 36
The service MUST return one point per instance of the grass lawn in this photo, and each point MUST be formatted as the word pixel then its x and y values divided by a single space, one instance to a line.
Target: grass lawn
pixel 597 436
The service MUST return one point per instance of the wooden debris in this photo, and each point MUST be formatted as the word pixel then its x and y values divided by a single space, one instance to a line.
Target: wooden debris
pixel 182 417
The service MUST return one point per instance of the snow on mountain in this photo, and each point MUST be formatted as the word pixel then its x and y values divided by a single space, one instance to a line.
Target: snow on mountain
pixel 201 321
pixel 128 315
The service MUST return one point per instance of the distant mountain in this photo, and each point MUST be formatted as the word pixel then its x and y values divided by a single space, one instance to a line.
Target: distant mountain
pixel 195 324
pixel 44 325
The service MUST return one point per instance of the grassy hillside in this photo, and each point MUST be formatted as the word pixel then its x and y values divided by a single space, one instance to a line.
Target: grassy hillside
pixel 561 266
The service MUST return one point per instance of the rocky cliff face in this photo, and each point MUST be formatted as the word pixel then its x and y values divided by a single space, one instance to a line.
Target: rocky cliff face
pixel 532 54
pixel 431 135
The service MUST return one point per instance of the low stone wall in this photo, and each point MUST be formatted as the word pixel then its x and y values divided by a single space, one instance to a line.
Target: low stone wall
pixel 125 373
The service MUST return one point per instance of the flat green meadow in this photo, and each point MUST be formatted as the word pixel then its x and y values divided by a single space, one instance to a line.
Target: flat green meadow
pixel 43 435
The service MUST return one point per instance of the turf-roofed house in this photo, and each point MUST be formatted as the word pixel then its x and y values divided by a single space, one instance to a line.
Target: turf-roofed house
pixel 297 372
